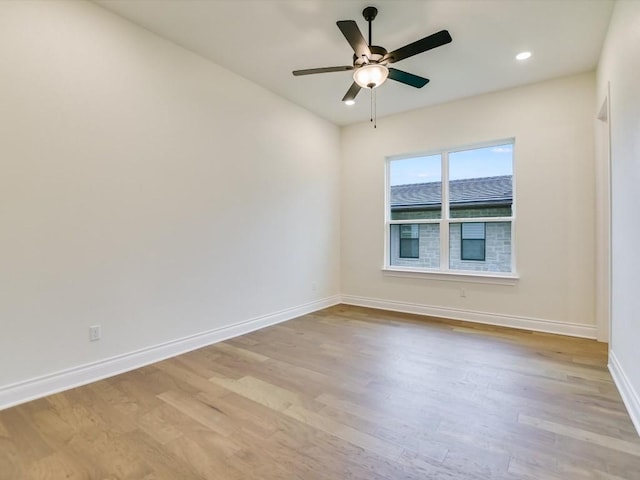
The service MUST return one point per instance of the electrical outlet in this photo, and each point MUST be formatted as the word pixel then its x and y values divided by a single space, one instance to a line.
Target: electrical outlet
pixel 95 332
pixel 463 293
pixel 314 287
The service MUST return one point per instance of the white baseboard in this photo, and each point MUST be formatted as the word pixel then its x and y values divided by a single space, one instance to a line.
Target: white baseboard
pixel 630 397
pixel 31 389
pixel 526 323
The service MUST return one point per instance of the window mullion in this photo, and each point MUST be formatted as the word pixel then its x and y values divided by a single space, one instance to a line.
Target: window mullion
pixel 444 224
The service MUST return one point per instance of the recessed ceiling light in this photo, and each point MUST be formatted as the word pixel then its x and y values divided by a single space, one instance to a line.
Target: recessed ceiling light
pixel 350 102
pixel 523 55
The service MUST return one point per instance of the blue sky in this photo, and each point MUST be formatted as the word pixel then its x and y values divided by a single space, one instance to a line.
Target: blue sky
pixel 479 162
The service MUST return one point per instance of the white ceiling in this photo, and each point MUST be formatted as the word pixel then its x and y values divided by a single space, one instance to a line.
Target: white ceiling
pixel 264 40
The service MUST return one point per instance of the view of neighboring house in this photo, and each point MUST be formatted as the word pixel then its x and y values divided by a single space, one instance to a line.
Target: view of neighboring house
pixel 480 246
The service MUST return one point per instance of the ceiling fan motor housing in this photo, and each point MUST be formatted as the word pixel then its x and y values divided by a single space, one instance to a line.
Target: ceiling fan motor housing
pixel 377 54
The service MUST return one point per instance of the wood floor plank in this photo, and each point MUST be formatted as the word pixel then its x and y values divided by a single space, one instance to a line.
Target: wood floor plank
pixel 249 415
pixel 264 393
pixel 205 462
pixel 158 424
pixel 574 472
pixel 344 393
pixel 414 440
pixel 279 460
pixel 163 464
pixel 239 352
pixel 632 448
pixel 107 452
pixel 198 410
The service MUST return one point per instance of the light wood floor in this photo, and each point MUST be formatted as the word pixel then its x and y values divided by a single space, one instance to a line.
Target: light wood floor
pixel 346 393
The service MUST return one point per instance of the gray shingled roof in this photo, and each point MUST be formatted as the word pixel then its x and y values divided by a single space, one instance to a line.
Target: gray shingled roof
pixel 469 191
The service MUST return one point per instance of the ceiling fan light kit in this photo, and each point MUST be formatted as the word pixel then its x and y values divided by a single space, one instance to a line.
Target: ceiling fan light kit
pixel 371 75
pixel 370 62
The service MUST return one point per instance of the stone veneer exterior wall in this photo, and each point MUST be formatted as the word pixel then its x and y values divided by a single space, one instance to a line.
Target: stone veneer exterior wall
pixel 497 249
pixel 428 247
pixel 497 240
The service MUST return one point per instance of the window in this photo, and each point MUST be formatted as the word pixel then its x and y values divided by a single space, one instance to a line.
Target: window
pixel 451 211
pixel 473 242
pixel 409 241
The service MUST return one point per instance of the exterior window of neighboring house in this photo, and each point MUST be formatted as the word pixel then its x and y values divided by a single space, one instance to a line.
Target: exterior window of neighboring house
pixel 409 241
pixel 473 246
pixel 451 210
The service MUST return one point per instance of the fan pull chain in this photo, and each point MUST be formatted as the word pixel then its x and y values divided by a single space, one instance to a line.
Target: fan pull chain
pixel 371 106
pixel 375 110
pixel 373 117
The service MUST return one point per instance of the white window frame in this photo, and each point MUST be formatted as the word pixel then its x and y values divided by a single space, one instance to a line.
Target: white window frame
pixel 444 272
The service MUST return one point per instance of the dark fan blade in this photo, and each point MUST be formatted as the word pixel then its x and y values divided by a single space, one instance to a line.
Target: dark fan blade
pixel 351 32
pixel 407 78
pixel 422 45
pixel 352 92
pixel 311 71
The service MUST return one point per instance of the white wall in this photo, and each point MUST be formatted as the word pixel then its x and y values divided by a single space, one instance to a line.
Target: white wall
pixel 552 123
pixel 620 67
pixel 147 190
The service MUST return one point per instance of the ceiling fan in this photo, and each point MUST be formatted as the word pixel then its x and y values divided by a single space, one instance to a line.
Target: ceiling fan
pixel 370 62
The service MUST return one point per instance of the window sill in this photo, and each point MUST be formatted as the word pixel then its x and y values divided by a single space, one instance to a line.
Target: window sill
pixel 468 277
